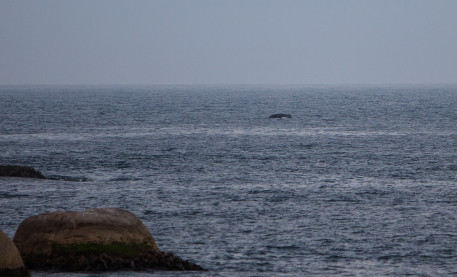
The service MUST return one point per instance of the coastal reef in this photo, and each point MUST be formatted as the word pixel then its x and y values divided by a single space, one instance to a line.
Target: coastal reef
pixel 92 240
pixel 11 264
pixel 19 171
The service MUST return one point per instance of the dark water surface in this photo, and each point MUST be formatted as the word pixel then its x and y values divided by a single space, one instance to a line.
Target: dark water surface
pixel 360 182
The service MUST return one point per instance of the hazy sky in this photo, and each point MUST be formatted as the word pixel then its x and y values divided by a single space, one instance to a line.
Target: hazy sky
pixel 232 41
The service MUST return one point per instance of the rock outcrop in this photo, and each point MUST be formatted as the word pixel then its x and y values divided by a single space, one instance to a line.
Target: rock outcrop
pixel 11 264
pixel 280 115
pixel 94 239
pixel 19 171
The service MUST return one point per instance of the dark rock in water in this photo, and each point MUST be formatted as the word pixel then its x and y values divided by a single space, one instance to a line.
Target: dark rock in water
pixel 92 240
pixel 19 171
pixel 280 115
pixel 11 264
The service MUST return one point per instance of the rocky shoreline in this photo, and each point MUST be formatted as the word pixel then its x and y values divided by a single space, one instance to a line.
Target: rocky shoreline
pixel 104 239
pixel 87 261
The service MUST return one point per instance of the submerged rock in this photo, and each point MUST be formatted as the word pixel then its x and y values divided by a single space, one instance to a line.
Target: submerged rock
pixel 280 115
pixel 11 264
pixel 19 171
pixel 94 239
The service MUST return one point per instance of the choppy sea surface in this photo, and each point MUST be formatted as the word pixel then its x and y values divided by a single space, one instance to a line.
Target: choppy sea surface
pixel 360 182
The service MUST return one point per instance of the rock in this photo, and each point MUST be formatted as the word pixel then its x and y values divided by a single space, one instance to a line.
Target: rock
pixel 11 264
pixel 19 171
pixel 94 239
pixel 280 115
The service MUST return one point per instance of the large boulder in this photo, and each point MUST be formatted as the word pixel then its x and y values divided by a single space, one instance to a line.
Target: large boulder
pixel 11 264
pixel 94 239
pixel 19 171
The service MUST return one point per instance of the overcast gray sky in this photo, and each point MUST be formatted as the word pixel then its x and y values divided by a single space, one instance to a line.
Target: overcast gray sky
pixel 225 42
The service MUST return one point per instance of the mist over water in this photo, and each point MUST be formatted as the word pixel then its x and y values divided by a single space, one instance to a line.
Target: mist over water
pixel 360 181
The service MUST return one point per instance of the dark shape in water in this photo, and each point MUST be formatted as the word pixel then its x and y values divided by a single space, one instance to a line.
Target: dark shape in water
pixel 280 115
pixel 20 171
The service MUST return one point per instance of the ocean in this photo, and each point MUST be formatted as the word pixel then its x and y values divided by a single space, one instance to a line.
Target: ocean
pixel 361 181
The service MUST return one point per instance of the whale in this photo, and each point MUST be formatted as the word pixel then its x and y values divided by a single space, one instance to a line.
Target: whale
pixel 280 115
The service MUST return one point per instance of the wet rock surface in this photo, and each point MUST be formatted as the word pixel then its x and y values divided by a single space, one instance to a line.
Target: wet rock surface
pixel 106 261
pixel 20 171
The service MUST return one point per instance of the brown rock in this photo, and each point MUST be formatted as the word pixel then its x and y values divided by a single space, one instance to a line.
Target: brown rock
pixel 94 239
pixel 11 263
pixel 37 234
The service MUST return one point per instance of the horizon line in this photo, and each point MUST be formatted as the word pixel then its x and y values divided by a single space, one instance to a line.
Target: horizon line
pixel 230 84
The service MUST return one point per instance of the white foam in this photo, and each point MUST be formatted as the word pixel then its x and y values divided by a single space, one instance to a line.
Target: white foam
pixel 218 131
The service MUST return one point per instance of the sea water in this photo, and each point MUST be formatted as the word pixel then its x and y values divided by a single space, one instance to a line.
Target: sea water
pixel 361 181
